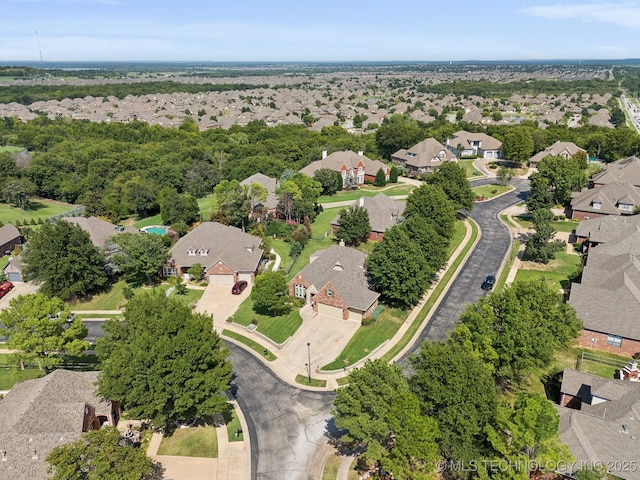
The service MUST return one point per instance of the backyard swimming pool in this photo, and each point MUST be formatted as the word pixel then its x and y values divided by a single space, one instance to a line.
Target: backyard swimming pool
pixel 155 229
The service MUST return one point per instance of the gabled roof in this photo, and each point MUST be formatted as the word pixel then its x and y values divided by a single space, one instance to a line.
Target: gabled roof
pixel 349 279
pixel 427 153
pixel 610 196
pixel 8 233
pixel 99 230
pixel 623 170
pixel 604 229
pixel 384 212
pixel 267 182
pixel 558 149
pixel 347 159
pixel 222 243
pixel 465 138
pixel 36 415
pixel 606 432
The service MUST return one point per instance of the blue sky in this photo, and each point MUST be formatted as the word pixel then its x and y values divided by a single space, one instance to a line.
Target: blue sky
pixel 321 30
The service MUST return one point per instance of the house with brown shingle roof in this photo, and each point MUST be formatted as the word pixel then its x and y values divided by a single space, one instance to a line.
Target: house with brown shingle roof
pixel 37 415
pixel 99 230
pixel 467 144
pixel 424 156
pixel 558 149
pixel 623 170
pixel 384 212
pixel 335 283
pixel 610 199
pixel 9 239
pixel 227 253
pixel 270 205
pixel 354 167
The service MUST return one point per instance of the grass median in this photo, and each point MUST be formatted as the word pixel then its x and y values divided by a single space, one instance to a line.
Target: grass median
pixel 253 345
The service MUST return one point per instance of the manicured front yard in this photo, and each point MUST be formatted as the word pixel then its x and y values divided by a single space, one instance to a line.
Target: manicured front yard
pixel 566 226
pixel 38 209
pixel 490 191
pixel 201 441
pixel 556 273
pixel 277 328
pixel 368 191
pixel 470 169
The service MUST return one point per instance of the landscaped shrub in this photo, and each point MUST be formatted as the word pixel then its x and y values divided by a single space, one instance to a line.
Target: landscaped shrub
pixel 367 321
pixel 275 228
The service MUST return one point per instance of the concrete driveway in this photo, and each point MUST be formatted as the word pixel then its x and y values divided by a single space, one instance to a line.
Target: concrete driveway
pixel 218 301
pixel 19 288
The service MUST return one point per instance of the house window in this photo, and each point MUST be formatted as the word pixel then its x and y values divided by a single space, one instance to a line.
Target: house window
pixel 300 291
pixel 625 206
pixel 203 251
pixel 614 340
pixel 169 271
pixel 329 293
pixel 191 252
pixel 596 205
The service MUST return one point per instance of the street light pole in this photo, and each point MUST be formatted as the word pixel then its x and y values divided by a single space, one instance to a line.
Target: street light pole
pixel 309 355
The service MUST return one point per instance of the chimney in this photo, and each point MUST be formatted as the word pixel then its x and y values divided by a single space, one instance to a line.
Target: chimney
pixel 324 153
pixel 630 371
pixel 360 152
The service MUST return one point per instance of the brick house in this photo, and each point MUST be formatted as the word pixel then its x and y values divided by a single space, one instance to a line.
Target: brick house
pixel 604 229
pixel 384 212
pixel 227 253
pixel 355 168
pixel 423 157
pixel 335 283
pixel 9 239
pixel 558 149
pixel 467 144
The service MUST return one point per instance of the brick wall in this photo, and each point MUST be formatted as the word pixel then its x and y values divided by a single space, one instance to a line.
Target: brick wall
pixel 334 300
pixel 297 280
pixel 628 347
pixel 579 215
pixel 221 268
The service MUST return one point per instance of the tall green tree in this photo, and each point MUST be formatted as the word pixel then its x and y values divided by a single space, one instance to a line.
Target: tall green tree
pixel 398 269
pixel 178 207
pixel 381 178
pixel 452 178
pixel 99 455
pixel 396 132
pixel 431 203
pixel 62 258
pixel 232 200
pixel 330 180
pixel 434 247
pixel 517 145
pixel 354 226
pixel 42 329
pixel 269 294
pixel 564 175
pixel 540 246
pixel 381 415
pixel 163 362
pixel 140 257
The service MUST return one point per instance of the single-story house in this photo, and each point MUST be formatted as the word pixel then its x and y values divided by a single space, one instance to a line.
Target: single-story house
pixel 558 149
pixel 269 206
pixel 625 170
pixel 607 299
pixel 467 144
pixel 37 415
pixel 9 239
pixel 99 230
pixel 620 198
pixel 423 157
pixel 384 212
pixel 13 269
pixel 227 253
pixel 335 283
pixel 355 168
pixel 599 422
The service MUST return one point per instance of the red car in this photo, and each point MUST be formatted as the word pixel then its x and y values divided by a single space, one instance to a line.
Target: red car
pixel 238 287
pixel 4 288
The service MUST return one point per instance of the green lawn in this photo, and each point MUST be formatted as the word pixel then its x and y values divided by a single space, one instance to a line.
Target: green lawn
pixel 368 191
pixel 502 279
pixel 315 382
pixel 556 273
pixel 10 375
pixel 277 328
pixel 38 209
pixel 255 346
pixel 205 204
pixel 566 226
pixel 490 191
pixel 282 248
pixel 233 427
pixel 3 261
pixel 331 467
pixel 199 441
pixel 470 169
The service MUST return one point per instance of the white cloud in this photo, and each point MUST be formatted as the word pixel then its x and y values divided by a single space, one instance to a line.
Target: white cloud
pixel 624 14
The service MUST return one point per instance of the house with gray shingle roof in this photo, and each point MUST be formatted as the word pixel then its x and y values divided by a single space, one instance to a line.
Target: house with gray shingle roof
pixel 604 229
pixel 227 253
pixel 599 423
pixel 467 144
pixel 335 283
pixel 99 230
pixel 610 199
pixel 37 415
pixel 352 166
pixel 384 212
pixel 625 170
pixel 270 205
pixel 558 149
pixel 424 156
pixel 607 299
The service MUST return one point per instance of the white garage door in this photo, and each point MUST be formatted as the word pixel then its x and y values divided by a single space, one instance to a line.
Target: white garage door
pixel 246 277
pixel 221 279
pixel 355 315
pixel 329 310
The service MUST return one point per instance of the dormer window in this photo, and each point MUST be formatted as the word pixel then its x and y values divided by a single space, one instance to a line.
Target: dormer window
pixel 596 205
pixel 203 252
pixel 625 206
pixel 411 154
pixel 191 252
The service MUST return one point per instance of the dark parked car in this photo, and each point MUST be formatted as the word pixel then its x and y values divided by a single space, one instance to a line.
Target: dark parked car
pixel 488 282
pixel 239 287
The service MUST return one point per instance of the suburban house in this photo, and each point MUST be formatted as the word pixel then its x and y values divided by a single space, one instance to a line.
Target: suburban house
pixel 423 157
pixel 610 199
pixel 607 299
pixel 558 149
pixel 335 283
pixel 227 253
pixel 466 144
pixel 37 415
pixel 599 422
pixel 268 208
pixel 13 269
pixel 9 239
pixel 355 168
pixel 604 229
pixel 625 170
pixel 384 212
pixel 99 230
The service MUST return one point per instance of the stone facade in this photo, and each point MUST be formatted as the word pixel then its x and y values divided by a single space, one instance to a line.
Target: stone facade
pixel 598 341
